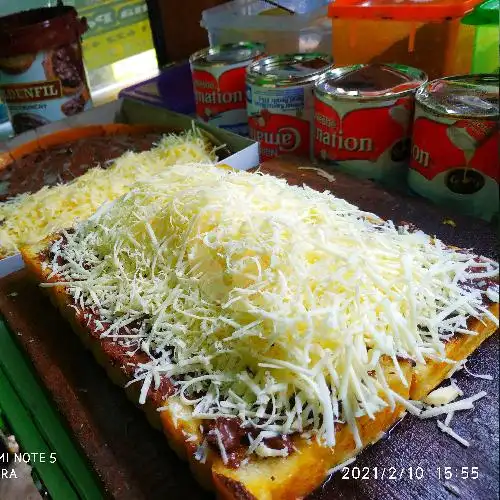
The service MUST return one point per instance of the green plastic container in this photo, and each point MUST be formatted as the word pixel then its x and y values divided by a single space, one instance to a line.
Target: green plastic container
pixel 485 53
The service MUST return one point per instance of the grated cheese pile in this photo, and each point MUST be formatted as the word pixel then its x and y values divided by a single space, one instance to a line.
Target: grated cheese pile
pixel 29 218
pixel 265 301
pixel 441 401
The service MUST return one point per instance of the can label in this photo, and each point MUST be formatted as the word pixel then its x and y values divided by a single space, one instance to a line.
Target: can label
pixel 280 119
pixel 456 160
pixel 220 96
pixel 367 138
pixel 44 87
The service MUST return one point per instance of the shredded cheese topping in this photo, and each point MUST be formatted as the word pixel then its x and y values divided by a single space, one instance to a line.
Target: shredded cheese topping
pixel 484 376
pixel 442 395
pixel 29 218
pixel 448 430
pixel 321 172
pixel 340 466
pixel 462 404
pixel 267 302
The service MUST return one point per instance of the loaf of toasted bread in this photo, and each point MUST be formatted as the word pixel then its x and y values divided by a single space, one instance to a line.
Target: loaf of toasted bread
pixel 254 476
pixel 271 477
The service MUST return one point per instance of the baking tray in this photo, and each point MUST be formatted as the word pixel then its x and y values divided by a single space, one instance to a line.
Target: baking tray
pixel 133 461
pixel 236 151
pixel 78 155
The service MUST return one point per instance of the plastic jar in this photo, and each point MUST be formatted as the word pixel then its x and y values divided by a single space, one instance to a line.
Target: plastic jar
pixel 422 34
pixel 42 78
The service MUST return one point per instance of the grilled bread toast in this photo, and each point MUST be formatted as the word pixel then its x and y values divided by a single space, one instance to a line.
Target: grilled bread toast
pixel 260 478
pixel 254 476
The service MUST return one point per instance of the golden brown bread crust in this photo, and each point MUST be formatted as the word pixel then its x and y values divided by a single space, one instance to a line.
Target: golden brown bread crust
pixel 271 478
pixel 461 346
pixel 175 428
pixel 289 478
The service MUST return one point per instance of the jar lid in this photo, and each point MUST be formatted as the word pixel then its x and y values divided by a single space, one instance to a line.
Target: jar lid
pixel 470 96
pixel 32 31
pixel 288 69
pixel 370 81
pixel 227 53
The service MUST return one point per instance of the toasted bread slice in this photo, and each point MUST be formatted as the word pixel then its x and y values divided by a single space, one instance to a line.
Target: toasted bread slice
pixel 460 347
pixel 261 478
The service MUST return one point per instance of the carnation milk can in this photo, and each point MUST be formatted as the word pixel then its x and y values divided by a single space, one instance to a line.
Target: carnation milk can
pixel 219 83
pixel 362 119
pixel 454 157
pixel 280 102
pixel 42 78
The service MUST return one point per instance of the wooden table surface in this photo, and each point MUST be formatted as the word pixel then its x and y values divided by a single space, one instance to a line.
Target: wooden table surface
pixel 134 461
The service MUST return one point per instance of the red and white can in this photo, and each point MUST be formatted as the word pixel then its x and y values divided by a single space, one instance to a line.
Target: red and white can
pixel 219 83
pixel 280 102
pixel 362 119
pixel 454 157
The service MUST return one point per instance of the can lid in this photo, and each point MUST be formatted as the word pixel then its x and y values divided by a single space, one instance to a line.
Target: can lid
pixel 227 53
pixel 474 96
pixel 288 69
pixel 370 81
pixel 31 31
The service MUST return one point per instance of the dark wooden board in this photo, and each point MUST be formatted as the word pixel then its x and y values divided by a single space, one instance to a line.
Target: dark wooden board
pixel 133 460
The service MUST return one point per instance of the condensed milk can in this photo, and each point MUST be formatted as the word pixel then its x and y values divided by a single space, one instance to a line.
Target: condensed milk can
pixel 280 102
pixel 219 84
pixel 454 156
pixel 362 119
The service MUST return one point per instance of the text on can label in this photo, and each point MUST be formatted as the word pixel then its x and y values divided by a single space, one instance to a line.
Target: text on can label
pixel 357 131
pixel 218 95
pixel 279 134
pixel 280 119
pixel 35 91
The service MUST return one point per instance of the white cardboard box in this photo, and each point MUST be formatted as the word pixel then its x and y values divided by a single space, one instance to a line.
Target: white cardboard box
pixel 245 151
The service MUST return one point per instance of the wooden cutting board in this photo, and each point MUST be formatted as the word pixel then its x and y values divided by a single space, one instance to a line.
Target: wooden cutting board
pixel 134 462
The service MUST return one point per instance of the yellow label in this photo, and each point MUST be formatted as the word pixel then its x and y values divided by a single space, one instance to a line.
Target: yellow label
pixel 117 29
pixel 118 44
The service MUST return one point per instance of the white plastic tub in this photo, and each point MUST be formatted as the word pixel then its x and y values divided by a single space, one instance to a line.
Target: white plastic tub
pixel 309 30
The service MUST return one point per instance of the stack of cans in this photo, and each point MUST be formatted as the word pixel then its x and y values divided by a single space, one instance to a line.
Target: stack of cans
pixel 369 120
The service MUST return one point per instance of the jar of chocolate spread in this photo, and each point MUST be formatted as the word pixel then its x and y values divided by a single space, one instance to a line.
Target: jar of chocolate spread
pixel 42 78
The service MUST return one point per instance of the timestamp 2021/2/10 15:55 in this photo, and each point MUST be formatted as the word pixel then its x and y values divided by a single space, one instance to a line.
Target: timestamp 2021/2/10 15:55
pixel 413 473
